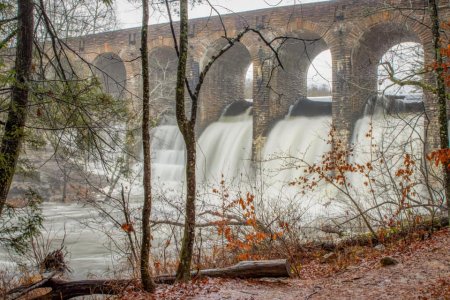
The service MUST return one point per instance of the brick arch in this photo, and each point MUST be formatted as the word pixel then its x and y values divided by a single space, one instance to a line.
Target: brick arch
pixel 289 83
pixel 376 34
pixel 225 81
pixel 72 66
pixel 163 65
pixel 373 37
pixel 111 71
pixel 377 39
pixel 312 28
pixel 397 21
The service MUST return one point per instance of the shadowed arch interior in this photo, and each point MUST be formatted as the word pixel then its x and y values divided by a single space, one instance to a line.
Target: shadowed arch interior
pixel 296 56
pixel 289 82
pixel 225 81
pixel 110 70
pixel 163 64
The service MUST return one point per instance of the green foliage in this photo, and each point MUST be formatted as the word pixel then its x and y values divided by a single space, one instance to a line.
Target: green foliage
pixel 76 117
pixel 18 225
pixel 7 22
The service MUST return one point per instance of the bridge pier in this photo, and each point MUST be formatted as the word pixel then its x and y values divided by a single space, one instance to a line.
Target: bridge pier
pixel 343 92
pixel 263 67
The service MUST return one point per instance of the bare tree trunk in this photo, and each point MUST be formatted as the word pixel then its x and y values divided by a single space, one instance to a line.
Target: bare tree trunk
pixel 147 281
pixel 17 113
pixel 187 128
pixel 187 246
pixel 441 93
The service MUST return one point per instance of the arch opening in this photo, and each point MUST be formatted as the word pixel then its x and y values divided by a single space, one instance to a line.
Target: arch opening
pixel 371 48
pixel 248 89
pixel 111 72
pixel 368 57
pixel 404 61
pixel 319 78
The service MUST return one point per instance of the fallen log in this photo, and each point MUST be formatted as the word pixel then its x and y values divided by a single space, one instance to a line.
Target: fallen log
pixel 62 290
pixel 244 269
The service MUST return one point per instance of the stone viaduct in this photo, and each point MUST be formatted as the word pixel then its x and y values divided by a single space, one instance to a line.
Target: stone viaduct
pixel 357 32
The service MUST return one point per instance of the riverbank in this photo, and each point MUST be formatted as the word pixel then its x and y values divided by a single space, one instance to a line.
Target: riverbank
pixel 422 272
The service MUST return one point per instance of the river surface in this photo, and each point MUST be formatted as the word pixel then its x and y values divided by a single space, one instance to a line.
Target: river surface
pixel 224 151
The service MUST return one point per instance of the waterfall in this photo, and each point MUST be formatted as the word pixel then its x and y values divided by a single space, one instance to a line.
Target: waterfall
pixel 301 138
pixel 385 130
pixel 382 137
pixel 168 154
pixel 390 127
pixel 225 148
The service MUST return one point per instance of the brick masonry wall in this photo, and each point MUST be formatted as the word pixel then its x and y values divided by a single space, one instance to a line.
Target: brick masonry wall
pixel 357 32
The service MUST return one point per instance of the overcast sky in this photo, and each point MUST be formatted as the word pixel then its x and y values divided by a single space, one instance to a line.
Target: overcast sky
pixel 130 14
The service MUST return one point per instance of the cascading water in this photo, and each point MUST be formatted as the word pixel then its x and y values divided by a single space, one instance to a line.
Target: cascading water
pixel 388 125
pixel 225 148
pixel 301 138
pixel 391 128
pixel 293 143
pixel 168 154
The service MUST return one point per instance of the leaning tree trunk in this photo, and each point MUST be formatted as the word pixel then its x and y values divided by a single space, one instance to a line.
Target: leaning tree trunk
pixel 13 133
pixel 146 278
pixel 441 94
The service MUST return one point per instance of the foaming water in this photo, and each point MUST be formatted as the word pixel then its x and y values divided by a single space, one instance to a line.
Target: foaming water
pixel 292 143
pixel 168 154
pixel 225 148
pixel 382 140
pixel 301 139
pixel 379 132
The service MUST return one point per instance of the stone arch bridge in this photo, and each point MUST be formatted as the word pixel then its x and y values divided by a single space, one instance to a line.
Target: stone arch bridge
pixel 357 32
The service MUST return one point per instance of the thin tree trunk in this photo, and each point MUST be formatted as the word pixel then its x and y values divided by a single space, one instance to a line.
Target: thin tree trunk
pixel 441 93
pixel 187 246
pixel 147 281
pixel 187 129
pixel 17 113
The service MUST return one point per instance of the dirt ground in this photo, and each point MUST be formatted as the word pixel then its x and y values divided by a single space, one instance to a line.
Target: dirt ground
pixel 422 272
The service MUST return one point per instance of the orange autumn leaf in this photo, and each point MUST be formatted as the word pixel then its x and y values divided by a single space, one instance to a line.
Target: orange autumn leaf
pixel 440 157
pixel 127 227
